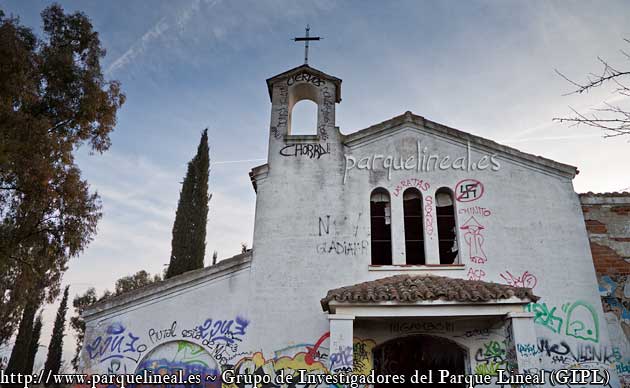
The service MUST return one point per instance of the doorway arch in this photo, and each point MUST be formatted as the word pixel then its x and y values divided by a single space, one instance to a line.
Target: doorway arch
pixel 405 355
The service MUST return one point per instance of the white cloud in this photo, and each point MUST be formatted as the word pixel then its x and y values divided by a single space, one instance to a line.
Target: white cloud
pixel 168 24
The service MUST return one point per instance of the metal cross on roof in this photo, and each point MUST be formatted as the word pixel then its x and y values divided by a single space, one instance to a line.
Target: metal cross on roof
pixel 306 38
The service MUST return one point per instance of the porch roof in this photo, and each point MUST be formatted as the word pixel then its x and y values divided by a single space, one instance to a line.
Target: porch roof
pixel 412 289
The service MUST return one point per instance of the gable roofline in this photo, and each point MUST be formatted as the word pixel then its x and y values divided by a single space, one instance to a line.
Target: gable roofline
pixel 188 279
pixel 336 81
pixel 410 119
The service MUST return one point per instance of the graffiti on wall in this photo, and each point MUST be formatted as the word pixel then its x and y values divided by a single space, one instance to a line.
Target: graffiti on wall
pixel 468 190
pixel 314 358
pixel 175 351
pixel 490 358
pixel 413 327
pixel 475 211
pixel 308 150
pixel 564 353
pixel 288 366
pixel 526 279
pixel 328 105
pixel 343 247
pixel 420 161
pixel 510 347
pixel 313 353
pixel 116 343
pixel 410 182
pixel 160 334
pixel 283 113
pixel 223 330
pixel 330 228
pixel 476 274
pixel 341 360
pixel 307 78
pixel 577 319
pixel 220 339
pixel 474 240
pixel 326 109
pixel 527 350
pixel 428 215
pixel 477 332
pixel 184 356
pixel 363 356
pixel 615 295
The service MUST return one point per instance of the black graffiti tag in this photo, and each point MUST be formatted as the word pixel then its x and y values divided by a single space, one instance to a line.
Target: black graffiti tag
pixel 311 151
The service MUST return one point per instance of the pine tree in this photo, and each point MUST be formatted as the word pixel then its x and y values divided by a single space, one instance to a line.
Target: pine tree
pixel 34 345
pixel 188 246
pixel 18 362
pixel 55 348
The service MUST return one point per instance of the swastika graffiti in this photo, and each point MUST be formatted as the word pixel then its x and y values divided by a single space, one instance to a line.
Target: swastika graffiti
pixel 468 190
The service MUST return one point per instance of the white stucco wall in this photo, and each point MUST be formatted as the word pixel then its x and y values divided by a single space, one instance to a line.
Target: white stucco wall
pixel 209 311
pixel 308 201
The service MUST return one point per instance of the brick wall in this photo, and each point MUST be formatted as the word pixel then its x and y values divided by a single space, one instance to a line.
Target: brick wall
pixel 607 218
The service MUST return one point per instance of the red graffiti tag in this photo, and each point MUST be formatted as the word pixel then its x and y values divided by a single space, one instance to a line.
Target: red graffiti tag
pixel 311 353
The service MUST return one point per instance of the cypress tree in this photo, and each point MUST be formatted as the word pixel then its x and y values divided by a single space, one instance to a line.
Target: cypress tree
pixel 34 346
pixel 188 246
pixel 55 348
pixel 18 362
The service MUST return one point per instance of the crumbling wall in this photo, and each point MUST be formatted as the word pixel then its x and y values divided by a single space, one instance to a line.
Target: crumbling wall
pixel 607 218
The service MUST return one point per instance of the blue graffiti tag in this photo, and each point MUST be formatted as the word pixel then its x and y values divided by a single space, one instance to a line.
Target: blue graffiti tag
pixel 115 344
pixel 228 330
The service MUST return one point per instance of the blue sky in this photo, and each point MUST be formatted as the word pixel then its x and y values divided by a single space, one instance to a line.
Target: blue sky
pixel 485 67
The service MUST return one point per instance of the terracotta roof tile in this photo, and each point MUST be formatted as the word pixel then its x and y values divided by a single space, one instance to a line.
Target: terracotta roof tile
pixel 411 289
pixel 608 194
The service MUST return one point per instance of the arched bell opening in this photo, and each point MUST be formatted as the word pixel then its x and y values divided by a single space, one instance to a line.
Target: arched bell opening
pixel 303 109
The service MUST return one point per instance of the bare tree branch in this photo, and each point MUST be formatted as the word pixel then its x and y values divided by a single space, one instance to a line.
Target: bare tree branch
pixel 612 119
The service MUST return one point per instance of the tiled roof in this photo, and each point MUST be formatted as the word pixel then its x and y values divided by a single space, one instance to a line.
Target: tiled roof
pixel 614 199
pixel 411 289
pixel 610 194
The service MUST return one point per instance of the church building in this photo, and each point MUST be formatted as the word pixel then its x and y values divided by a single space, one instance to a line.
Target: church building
pixel 404 246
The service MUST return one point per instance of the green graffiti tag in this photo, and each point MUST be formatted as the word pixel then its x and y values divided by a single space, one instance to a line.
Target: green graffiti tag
pixel 577 319
pixel 545 316
pixel 494 349
pixel 582 321
pixel 490 369
pixel 491 358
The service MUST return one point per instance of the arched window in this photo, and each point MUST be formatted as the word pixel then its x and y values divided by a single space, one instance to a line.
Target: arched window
pixel 414 232
pixel 447 230
pixel 380 227
pixel 303 119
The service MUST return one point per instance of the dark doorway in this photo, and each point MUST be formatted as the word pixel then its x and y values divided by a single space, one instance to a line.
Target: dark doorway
pixel 403 356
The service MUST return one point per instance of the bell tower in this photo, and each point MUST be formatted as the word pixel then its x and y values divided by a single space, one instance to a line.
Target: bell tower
pixel 289 88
